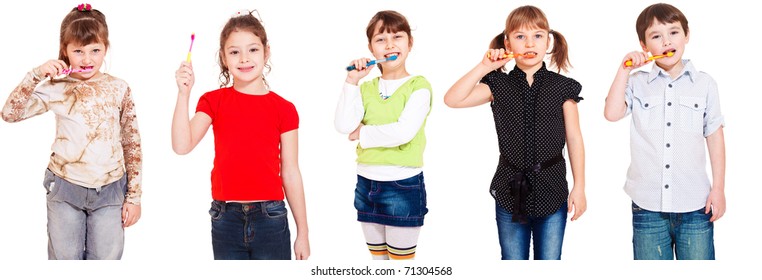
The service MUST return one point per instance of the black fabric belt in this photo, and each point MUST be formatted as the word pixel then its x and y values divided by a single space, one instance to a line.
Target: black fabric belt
pixel 520 186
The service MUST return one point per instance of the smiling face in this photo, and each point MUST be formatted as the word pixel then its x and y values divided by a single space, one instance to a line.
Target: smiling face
pixel 662 38
pixel 385 43
pixel 87 58
pixel 531 43
pixel 245 57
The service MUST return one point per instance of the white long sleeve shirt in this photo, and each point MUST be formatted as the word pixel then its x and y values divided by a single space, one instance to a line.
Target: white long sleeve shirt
pixel 349 115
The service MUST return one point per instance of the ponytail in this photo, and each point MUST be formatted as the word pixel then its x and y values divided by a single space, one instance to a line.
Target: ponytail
pixel 560 52
pixel 498 42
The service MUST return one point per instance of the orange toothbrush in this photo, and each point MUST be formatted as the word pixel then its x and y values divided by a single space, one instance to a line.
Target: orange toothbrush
pixel 655 57
pixel 514 55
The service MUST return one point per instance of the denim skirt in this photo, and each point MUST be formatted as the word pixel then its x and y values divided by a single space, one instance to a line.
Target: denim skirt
pixel 394 203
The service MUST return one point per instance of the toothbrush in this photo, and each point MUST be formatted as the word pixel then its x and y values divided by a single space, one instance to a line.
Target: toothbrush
pixel 352 67
pixel 193 37
pixel 69 71
pixel 514 55
pixel 655 57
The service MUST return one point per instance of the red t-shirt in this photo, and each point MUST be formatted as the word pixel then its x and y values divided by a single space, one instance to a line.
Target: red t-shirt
pixel 247 131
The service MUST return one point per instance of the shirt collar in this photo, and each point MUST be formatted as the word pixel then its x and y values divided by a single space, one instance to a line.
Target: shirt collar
pixel 539 75
pixel 688 70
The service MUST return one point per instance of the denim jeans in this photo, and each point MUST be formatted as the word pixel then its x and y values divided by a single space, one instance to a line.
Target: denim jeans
pixel 547 234
pixel 250 231
pixel 84 223
pixel 400 203
pixel 664 236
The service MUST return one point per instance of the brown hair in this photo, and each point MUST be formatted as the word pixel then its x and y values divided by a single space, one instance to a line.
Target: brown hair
pixel 392 22
pixel 83 27
pixel 531 16
pixel 663 13
pixel 240 23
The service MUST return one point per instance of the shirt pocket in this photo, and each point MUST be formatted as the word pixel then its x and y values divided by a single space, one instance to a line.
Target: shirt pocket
pixel 691 112
pixel 645 112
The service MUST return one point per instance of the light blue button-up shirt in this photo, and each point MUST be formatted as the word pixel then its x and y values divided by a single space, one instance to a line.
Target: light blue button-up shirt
pixel 670 120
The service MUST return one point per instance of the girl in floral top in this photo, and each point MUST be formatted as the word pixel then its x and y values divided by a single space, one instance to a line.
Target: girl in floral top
pixel 93 178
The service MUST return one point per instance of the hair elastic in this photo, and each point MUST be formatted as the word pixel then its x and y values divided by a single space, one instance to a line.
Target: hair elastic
pixel 240 13
pixel 244 12
pixel 84 7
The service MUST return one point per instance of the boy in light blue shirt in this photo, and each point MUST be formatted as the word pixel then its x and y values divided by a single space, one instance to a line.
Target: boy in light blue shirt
pixel 675 112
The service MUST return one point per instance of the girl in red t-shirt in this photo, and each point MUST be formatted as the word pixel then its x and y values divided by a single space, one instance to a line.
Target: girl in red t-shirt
pixel 255 144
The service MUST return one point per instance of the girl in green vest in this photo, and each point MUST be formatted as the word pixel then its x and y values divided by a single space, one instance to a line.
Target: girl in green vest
pixel 387 116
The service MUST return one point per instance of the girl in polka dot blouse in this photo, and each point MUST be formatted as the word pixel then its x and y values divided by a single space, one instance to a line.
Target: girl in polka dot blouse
pixel 535 112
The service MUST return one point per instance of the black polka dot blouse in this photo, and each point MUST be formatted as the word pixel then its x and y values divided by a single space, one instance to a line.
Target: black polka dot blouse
pixel 530 129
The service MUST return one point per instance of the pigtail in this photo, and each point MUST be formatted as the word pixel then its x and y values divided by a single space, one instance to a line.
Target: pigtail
pixel 498 42
pixel 266 71
pixel 560 52
pixel 224 77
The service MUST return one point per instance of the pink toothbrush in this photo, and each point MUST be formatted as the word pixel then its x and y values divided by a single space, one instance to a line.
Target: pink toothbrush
pixel 80 70
pixel 193 37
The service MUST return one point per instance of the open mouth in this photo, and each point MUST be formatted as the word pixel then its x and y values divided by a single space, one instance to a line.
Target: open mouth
pixel 245 69
pixel 669 51
pixel 529 54
pixel 86 68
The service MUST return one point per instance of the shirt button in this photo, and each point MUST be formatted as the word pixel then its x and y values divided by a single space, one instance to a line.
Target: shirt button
pixel 695 105
pixel 668 145
pixel 667 166
pixel 646 105
pixel 669 103
pixel 669 124
pixel 666 186
pixel 670 85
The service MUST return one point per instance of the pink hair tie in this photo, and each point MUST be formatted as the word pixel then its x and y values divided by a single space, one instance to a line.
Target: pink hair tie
pixel 240 13
pixel 84 7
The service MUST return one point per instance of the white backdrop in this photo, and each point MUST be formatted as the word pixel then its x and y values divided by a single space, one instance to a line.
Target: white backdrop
pixel 311 43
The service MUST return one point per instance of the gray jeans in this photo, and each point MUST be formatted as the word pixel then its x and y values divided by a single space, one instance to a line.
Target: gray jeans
pixel 84 223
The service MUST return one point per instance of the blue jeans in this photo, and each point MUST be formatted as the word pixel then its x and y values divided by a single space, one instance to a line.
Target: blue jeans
pixel 400 203
pixel 84 223
pixel 250 231
pixel 662 236
pixel 547 234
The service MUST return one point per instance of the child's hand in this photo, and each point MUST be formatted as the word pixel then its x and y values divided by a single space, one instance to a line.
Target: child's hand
pixel 355 135
pixel 354 76
pixel 184 77
pixel 638 59
pixel 51 68
pixel 494 59
pixel 301 248
pixel 716 203
pixel 130 214
pixel 577 201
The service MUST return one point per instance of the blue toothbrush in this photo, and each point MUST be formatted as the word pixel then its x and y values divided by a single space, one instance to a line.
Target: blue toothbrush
pixel 352 67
